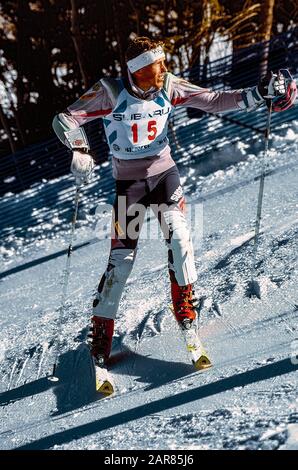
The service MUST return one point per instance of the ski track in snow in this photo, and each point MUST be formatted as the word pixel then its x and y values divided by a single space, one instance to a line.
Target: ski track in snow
pixel 247 400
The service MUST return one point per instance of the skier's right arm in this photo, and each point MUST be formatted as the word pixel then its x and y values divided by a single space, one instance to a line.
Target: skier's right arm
pixel 67 125
pixel 93 104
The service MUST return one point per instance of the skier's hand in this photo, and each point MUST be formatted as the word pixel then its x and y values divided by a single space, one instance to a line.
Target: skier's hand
pixel 272 85
pixel 82 166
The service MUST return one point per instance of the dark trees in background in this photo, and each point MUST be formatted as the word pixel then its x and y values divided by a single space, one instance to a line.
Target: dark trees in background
pixel 78 43
pixel 266 23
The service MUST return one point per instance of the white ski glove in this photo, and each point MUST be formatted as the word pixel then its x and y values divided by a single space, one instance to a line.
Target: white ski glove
pixel 81 167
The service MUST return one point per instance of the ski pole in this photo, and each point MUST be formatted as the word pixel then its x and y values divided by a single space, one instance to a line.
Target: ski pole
pixel 65 278
pixel 254 288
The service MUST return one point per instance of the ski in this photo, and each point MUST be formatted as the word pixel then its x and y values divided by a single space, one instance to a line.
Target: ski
pixel 103 381
pixel 194 347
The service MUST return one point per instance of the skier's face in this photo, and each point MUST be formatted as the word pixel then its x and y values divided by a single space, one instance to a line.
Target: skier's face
pixel 151 76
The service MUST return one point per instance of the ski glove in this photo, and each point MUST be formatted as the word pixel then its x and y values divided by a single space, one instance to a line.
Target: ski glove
pixel 280 89
pixel 81 166
pixel 272 85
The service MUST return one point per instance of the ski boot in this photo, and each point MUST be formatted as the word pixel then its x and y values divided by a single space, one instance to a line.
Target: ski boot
pixel 184 309
pixel 100 343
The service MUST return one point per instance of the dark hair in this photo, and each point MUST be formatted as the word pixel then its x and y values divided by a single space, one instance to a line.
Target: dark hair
pixel 139 45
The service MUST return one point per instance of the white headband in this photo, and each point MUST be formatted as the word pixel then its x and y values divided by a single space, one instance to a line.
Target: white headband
pixel 146 58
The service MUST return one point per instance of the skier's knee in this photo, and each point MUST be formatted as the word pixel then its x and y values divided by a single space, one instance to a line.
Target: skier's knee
pixel 178 233
pixel 121 261
pixel 181 257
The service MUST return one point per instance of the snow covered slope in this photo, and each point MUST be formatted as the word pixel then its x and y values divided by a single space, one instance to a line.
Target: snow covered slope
pixel 248 400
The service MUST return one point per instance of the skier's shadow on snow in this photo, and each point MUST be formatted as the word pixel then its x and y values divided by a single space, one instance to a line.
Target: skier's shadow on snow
pixel 24 391
pixel 76 386
pixel 148 370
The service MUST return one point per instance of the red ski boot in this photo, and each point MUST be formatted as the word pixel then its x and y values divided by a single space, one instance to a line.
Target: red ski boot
pixel 184 309
pixel 100 342
pixel 100 339
pixel 184 304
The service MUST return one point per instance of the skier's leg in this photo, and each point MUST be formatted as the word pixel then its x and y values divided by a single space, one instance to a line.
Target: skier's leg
pixel 106 303
pixel 180 249
pixel 171 215
pixel 121 259
pixel 169 209
pixel 112 283
pixel 181 265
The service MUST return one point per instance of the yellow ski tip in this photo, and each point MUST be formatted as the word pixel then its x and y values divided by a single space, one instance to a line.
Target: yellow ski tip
pixel 203 363
pixel 105 387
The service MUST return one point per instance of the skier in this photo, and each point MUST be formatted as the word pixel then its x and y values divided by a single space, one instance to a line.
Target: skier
pixel 135 111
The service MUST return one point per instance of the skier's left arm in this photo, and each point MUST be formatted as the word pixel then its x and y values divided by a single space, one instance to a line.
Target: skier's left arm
pixel 280 88
pixel 184 93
